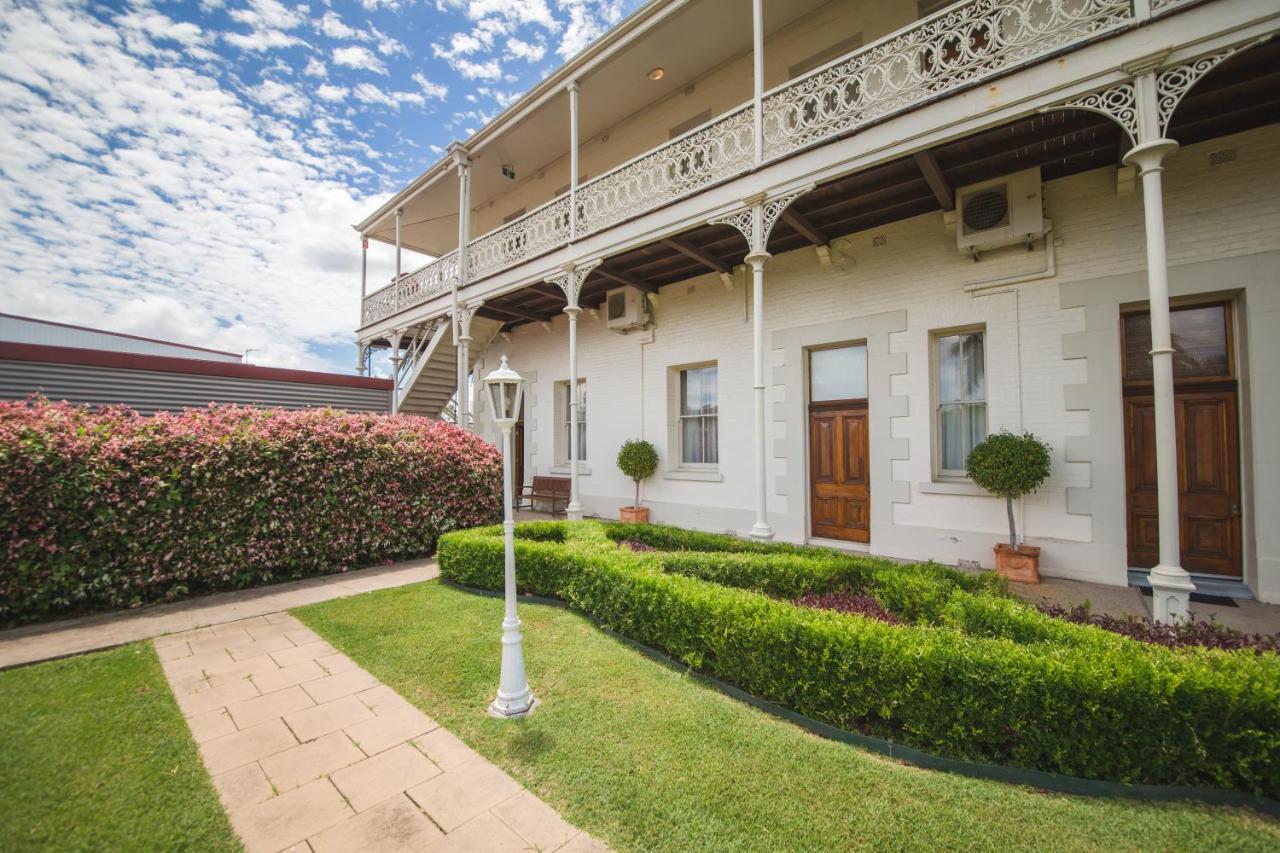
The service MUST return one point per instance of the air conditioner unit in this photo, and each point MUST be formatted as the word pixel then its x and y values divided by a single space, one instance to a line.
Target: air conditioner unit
pixel 1001 212
pixel 626 308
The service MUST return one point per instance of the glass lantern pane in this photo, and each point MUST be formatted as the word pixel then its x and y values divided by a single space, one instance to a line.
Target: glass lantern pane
pixel 838 374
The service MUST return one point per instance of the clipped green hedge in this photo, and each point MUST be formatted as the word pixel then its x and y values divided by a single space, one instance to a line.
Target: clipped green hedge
pixel 977 675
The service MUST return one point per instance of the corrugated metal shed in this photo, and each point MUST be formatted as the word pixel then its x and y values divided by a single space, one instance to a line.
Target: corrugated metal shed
pixel 153 383
pixel 29 330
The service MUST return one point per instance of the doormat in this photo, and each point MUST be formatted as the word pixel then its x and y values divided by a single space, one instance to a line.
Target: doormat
pixel 1200 598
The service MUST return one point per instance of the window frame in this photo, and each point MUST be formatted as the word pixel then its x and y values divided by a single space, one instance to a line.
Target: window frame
pixel 1176 305
pixel 562 437
pixel 941 474
pixel 677 417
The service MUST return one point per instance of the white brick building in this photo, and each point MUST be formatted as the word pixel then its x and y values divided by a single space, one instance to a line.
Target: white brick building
pixel 875 324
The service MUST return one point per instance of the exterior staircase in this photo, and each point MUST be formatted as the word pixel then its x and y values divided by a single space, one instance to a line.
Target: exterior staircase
pixel 427 379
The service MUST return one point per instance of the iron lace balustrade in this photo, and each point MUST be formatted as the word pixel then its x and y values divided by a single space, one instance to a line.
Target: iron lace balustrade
pixel 534 233
pixel 949 49
pixel 709 154
pixel 422 285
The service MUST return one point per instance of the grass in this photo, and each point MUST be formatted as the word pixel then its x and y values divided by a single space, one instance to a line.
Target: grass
pixel 94 755
pixel 648 758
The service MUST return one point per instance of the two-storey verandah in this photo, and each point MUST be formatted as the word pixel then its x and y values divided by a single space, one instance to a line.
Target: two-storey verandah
pixel 985 89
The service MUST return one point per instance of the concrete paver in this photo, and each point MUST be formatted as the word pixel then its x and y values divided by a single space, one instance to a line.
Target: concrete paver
pixel 311 753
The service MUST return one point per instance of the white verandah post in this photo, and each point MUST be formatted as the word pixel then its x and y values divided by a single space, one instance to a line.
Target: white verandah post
pixel 1171 584
pixel 573 160
pixel 463 162
pixel 757 99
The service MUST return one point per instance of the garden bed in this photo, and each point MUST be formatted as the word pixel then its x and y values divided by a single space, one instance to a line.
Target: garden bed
pixel 971 674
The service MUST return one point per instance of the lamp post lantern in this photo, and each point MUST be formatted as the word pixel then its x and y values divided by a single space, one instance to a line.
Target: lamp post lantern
pixel 506 388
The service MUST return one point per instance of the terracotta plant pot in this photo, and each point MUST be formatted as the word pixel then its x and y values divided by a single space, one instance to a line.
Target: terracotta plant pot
pixel 1021 564
pixel 634 514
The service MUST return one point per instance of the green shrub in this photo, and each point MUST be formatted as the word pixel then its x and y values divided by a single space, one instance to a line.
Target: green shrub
pixel 980 676
pixel 1010 466
pixel 638 459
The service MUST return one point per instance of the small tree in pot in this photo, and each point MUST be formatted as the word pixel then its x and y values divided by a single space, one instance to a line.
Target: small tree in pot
pixel 638 460
pixel 1010 466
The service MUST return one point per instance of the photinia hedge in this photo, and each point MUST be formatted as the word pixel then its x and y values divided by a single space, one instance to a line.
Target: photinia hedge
pixel 105 509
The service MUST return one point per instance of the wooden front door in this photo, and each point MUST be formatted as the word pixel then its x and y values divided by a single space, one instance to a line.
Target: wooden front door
pixel 839 445
pixel 1205 406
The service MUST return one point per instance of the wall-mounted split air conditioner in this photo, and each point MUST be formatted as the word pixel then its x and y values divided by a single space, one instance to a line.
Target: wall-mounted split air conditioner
pixel 1005 211
pixel 626 308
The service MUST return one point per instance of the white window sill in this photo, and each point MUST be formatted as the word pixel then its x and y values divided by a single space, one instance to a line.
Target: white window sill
pixel 709 475
pixel 563 468
pixel 953 487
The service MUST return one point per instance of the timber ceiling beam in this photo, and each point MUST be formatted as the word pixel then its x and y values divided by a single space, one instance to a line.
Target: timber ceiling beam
pixel 511 313
pixel 804 227
pixel 686 248
pixel 625 278
pixel 936 180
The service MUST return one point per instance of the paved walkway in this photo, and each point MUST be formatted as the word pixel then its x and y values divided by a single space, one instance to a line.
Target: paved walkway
pixel 311 753
pixel 74 636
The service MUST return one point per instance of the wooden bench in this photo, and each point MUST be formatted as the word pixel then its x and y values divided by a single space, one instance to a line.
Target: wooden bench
pixel 553 489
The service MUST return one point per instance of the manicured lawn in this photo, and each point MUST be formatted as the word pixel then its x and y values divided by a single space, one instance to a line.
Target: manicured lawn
pixel 94 755
pixel 647 758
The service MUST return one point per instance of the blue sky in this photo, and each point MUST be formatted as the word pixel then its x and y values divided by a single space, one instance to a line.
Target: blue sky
pixel 190 171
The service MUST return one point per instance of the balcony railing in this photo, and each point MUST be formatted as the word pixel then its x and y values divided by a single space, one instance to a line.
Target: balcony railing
pixel 960 45
pixel 422 285
pixel 533 234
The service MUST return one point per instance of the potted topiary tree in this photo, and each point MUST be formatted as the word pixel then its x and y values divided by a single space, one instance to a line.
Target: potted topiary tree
pixel 638 460
pixel 1010 466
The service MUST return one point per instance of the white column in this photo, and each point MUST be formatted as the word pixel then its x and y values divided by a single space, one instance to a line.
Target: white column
pixel 573 161
pixel 514 697
pixel 399 214
pixel 463 162
pixel 762 529
pixel 574 509
pixel 757 102
pixel 393 338
pixel 364 273
pixel 464 362
pixel 364 290
pixel 1171 585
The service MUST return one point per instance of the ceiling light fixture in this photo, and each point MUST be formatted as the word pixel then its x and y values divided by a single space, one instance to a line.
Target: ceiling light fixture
pixel 656 74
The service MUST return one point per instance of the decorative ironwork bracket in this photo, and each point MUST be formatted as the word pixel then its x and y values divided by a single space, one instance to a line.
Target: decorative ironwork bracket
pixel 571 279
pixel 755 221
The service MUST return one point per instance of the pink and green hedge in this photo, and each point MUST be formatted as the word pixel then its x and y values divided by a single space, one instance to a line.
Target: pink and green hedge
pixel 104 509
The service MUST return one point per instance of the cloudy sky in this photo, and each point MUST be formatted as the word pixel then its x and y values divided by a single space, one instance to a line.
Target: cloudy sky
pixel 190 171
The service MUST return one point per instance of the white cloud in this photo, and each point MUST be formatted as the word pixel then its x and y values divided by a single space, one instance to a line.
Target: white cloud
pixel 332 93
pixel 334 27
pixel 586 22
pixel 269 22
pixel 260 40
pixel 269 14
pixel 528 51
pixel 439 91
pixel 388 46
pixel 156 25
pixel 315 68
pixel 281 97
pixel 519 12
pixel 356 56
pixel 141 195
